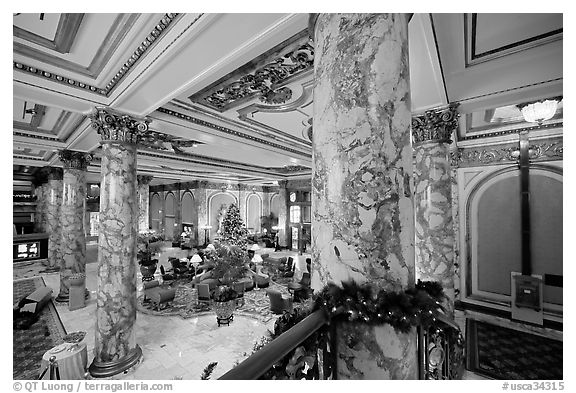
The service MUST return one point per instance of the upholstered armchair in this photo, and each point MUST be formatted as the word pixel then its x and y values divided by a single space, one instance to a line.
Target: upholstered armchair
pixel 261 279
pixel 278 303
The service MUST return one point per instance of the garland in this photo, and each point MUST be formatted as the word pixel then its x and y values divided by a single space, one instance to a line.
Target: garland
pixel 355 302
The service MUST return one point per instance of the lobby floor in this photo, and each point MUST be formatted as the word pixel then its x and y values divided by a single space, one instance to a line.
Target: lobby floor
pixel 173 347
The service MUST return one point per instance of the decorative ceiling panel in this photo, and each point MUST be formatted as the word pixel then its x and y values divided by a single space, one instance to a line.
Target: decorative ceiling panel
pixel 489 36
pixel 265 77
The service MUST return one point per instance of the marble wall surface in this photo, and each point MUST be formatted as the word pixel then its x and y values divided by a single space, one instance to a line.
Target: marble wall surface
pixel 362 183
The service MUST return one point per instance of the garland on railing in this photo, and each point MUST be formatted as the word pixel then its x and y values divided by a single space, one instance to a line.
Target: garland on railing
pixel 403 310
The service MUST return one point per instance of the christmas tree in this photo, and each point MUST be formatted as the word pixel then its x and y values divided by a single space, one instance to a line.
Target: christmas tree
pixel 233 230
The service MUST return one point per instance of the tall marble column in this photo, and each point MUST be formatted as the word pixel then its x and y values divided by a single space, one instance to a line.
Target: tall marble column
pixel 53 195
pixel 202 206
pixel 41 205
pixel 363 217
pixel 283 219
pixel 434 235
pixel 73 246
pixel 143 202
pixel 115 349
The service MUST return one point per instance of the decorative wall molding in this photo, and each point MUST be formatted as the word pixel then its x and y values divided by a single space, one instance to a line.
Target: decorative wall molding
pixel 229 131
pixel 512 131
pixel 436 125
pixel 209 185
pixel 265 76
pixel 74 159
pixel 293 169
pixel 506 153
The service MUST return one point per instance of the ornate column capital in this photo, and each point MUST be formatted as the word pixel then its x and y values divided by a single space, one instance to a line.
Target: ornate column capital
pixel 52 173
pixel 282 183
pixel 74 159
pixel 435 125
pixel 144 179
pixel 116 127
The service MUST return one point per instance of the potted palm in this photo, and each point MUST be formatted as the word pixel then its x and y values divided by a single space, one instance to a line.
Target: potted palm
pixel 149 244
pixel 224 304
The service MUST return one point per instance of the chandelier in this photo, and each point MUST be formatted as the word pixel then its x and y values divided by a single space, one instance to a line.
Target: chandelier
pixel 540 111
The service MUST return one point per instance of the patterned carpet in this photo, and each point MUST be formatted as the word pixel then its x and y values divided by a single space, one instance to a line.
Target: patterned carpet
pixel 29 345
pixel 185 304
pixel 503 353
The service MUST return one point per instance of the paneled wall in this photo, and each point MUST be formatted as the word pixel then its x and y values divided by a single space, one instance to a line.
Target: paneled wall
pixel 489 213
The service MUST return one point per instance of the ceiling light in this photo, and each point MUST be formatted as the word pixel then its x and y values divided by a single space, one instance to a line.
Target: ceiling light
pixel 540 111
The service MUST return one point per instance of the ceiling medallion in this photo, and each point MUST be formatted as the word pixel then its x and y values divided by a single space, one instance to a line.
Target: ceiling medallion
pixel 264 81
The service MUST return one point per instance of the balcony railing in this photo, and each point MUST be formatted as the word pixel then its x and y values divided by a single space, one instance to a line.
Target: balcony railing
pixel 307 350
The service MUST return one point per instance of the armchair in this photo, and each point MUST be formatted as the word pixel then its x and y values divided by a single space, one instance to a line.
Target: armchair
pixel 278 303
pixel 178 267
pixel 203 293
pixel 261 279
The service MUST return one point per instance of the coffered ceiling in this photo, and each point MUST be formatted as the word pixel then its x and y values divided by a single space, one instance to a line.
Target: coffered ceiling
pixel 230 96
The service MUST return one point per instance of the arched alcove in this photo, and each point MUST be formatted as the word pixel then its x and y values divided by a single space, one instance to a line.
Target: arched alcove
pixel 155 207
pixel 217 205
pixel 170 215
pixel 253 213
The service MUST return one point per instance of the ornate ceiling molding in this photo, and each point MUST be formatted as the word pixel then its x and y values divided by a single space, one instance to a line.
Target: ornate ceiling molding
pixel 436 125
pixel 229 131
pixel 151 39
pixel 144 179
pixel 540 150
pixel 265 77
pixel 64 38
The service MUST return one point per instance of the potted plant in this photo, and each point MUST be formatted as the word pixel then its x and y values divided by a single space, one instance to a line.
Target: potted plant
pixel 224 304
pixel 149 244
pixel 228 262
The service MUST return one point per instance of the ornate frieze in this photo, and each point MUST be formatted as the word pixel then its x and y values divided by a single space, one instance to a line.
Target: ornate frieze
pixel 118 127
pixel 292 169
pixel 144 179
pixel 74 159
pixel 263 80
pixel 541 150
pixel 435 125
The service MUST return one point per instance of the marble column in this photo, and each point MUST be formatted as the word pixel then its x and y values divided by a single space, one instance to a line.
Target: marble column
pixel 115 348
pixel 434 234
pixel 53 225
pixel 363 217
pixel 143 202
pixel 72 211
pixel 202 206
pixel 283 219
pixel 41 205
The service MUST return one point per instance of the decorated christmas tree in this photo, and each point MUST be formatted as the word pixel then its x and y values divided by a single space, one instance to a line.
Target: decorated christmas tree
pixel 233 230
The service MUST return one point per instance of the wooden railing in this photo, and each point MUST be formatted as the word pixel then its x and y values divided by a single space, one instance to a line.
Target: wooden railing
pixel 260 362
pixel 439 361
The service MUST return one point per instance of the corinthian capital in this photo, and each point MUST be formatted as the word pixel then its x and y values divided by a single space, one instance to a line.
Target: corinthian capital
pixel 74 159
pixel 116 127
pixel 144 179
pixel 435 125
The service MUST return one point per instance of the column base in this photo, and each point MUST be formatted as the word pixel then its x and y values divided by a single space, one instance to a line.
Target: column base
pixel 64 297
pixel 108 369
